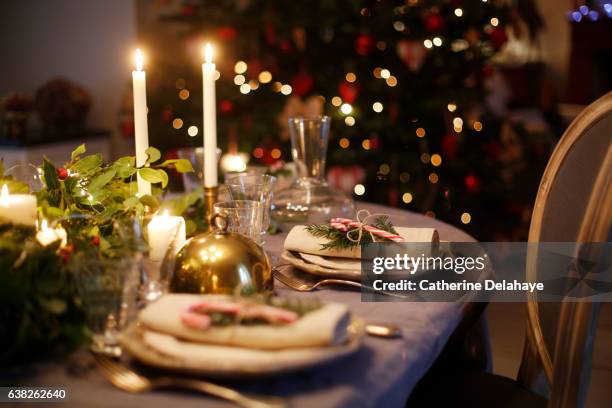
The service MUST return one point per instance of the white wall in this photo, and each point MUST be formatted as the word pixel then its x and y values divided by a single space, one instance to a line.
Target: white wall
pixel 88 41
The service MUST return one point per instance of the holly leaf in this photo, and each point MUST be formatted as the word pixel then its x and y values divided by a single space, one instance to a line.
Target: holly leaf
pixel 87 164
pixel 130 202
pixel 77 152
pixel 154 176
pixel 153 155
pixel 181 165
pixel 149 200
pixel 50 175
pixel 103 179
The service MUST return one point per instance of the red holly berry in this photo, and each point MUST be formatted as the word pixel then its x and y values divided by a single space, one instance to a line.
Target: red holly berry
pixel 62 173
pixel 95 240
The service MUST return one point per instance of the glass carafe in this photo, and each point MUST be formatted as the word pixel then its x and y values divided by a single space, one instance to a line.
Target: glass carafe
pixel 309 199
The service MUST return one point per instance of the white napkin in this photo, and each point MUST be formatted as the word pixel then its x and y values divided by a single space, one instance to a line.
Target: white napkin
pixel 300 240
pixel 322 327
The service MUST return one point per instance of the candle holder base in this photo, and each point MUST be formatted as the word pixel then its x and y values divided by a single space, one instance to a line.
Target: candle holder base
pixel 210 198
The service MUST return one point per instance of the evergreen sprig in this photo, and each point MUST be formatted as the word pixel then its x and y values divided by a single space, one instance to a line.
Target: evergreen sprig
pixel 339 239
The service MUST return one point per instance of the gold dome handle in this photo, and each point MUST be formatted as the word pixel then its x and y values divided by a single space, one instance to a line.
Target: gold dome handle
pixel 219 222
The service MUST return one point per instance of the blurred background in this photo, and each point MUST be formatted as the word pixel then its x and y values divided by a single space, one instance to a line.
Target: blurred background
pixel 445 107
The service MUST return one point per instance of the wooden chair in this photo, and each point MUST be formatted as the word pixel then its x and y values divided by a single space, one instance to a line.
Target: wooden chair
pixel 574 204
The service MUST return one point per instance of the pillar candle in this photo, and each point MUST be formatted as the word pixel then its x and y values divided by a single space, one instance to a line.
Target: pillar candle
pixel 161 230
pixel 210 119
pixel 141 132
pixel 17 208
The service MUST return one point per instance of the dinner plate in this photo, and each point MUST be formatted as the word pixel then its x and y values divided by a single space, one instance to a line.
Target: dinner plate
pixel 167 352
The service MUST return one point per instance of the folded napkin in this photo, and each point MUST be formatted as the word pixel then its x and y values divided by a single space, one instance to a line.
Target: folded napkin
pixel 300 240
pixel 319 328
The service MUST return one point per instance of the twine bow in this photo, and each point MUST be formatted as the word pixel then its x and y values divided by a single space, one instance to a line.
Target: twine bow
pixel 357 227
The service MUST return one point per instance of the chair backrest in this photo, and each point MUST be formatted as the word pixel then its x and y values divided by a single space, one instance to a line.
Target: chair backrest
pixel 573 205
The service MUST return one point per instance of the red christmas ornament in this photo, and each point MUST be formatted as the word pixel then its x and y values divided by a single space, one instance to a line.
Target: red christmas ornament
pixel 364 44
pixel 227 33
pixel 434 23
pixel 472 183
pixel 449 146
pixel 285 46
pixel 498 37
pixel 270 33
pixel 188 10
pixel 301 84
pixel 348 92
pixel 95 240
pixel 62 173
pixel 412 53
pixel 226 106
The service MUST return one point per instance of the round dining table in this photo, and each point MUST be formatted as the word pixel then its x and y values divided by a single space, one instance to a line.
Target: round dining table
pixel 381 373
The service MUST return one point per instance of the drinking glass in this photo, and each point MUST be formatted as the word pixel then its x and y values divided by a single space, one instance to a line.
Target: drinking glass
pixel 255 187
pixel 195 155
pixel 241 216
pixel 309 199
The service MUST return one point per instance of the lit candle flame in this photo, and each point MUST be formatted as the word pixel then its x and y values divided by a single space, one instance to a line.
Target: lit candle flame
pixel 139 59
pixel 4 195
pixel 208 53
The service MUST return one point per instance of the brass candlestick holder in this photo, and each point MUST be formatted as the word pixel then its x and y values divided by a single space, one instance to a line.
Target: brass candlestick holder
pixel 210 198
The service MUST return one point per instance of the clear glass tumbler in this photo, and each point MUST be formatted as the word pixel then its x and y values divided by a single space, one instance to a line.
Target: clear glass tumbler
pixel 255 187
pixel 242 217
pixel 309 199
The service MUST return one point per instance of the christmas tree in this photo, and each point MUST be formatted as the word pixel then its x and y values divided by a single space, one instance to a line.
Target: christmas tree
pixel 402 80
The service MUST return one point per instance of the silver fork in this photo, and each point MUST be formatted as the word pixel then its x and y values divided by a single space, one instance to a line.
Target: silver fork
pixel 308 284
pixel 124 378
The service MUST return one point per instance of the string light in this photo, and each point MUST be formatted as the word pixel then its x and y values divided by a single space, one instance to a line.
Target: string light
pixel 183 94
pixel 384 169
pixel 458 12
pixel 436 160
pixel 350 77
pixel 425 158
pixel 437 41
pixel 451 107
pixel 180 83
pixel 427 43
pixel 277 86
pixel 346 108
pixel 399 26
pixel 494 22
pixel 458 122
pixel 245 89
pixel 349 121
pixel 344 143
pixel 275 153
pixel 407 198
pixel 359 189
pixel 404 177
pixel 420 132
pixel 366 144
pixel 477 126
pixel 392 81
pixel 381 45
pixel 377 107
pixel 217 75
pixel 253 84
pixel 433 178
pixel 258 152
pixel 239 80
pixel 385 73
pixel 240 67
pixel 265 77
pixel 430 214
pixel 177 123
pixel 466 218
pixel 192 131
pixel 286 89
